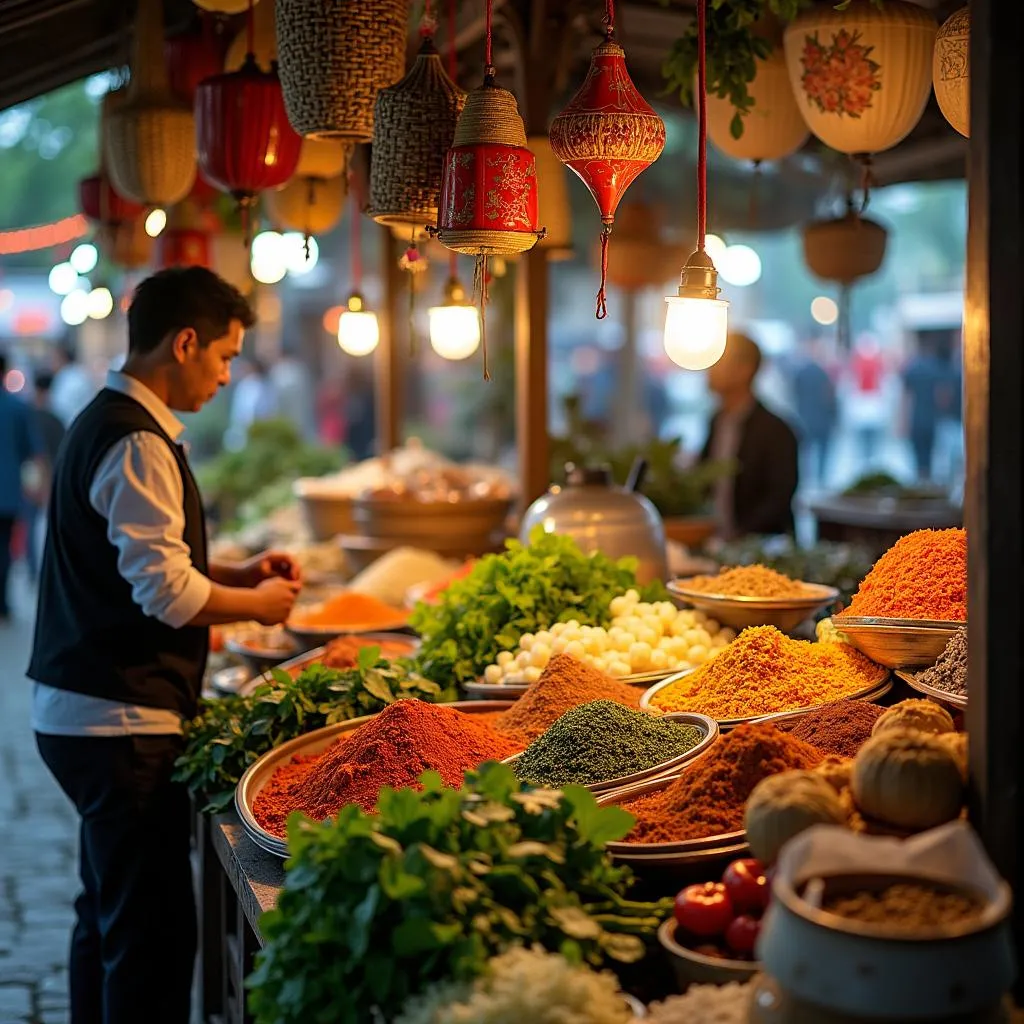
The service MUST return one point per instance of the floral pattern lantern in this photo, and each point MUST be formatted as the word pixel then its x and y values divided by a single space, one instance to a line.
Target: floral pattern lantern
pixel 608 135
pixel 951 70
pixel 861 76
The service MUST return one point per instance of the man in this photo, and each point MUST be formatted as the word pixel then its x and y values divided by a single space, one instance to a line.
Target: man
pixel 72 388
pixel 50 432
pixel 125 604
pixel 759 498
pixel 814 396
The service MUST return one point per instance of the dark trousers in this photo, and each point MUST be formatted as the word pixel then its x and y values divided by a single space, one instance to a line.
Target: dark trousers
pixel 134 944
pixel 6 533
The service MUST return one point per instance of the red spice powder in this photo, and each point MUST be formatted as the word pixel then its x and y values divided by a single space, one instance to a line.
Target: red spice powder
pixel 392 749
pixel 708 799
pixel 922 576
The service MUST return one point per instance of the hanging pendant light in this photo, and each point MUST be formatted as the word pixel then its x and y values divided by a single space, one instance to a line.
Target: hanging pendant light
pixel 698 320
pixel 608 135
pixel 455 324
pixel 358 329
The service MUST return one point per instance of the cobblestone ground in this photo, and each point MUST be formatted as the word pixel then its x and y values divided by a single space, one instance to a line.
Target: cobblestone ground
pixel 38 874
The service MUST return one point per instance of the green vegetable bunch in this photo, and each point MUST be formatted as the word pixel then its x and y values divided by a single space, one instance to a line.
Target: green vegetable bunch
pixel 377 908
pixel 525 589
pixel 229 734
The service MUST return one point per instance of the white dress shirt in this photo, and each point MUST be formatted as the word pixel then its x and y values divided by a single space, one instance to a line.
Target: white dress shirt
pixel 139 491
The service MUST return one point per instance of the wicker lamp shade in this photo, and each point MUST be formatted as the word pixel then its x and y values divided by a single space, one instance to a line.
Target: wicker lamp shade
pixel 194 55
pixel 861 76
pixel 151 144
pixel 555 212
pixel 334 56
pixel 323 159
pixel 97 197
pixel 310 205
pixel 264 46
pixel 845 248
pixel 640 258
pixel 126 245
pixel 414 124
pixel 224 6
pixel 951 70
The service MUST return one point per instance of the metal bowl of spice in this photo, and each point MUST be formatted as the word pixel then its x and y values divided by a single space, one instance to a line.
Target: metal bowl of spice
pixel 897 643
pixel 946 680
pixel 510 690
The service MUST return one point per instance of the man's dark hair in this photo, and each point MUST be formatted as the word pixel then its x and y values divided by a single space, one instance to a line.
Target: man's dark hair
pixel 43 382
pixel 745 348
pixel 174 300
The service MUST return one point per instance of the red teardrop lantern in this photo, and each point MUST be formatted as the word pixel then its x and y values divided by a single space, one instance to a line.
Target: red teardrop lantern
pixel 244 140
pixel 193 56
pixel 102 204
pixel 608 135
pixel 183 247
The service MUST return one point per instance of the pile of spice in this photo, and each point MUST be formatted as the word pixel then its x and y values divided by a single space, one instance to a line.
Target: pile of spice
pixel 838 729
pixel 708 799
pixel 764 671
pixel 349 610
pixel 563 685
pixel 922 576
pixel 393 749
pixel 906 906
pixel 599 741
pixel 949 673
pixel 748 581
pixel 343 652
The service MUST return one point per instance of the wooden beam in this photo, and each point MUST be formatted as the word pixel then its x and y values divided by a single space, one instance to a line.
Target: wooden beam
pixel 388 368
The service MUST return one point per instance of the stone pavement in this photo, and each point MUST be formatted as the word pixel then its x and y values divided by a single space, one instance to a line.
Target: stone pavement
pixel 38 846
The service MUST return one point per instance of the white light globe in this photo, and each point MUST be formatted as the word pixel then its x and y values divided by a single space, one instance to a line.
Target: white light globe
pixel 63 279
pixel 695 331
pixel 268 257
pixel 739 265
pixel 296 260
pixel 74 309
pixel 84 258
pixel 454 331
pixel 715 248
pixel 100 303
pixel 358 332
pixel 824 310
pixel 156 221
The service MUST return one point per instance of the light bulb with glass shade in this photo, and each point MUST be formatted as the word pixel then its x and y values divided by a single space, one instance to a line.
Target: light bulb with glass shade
pixel 455 324
pixel 698 320
pixel 156 221
pixel 301 254
pixel 268 257
pixel 100 303
pixel 358 330
pixel 74 308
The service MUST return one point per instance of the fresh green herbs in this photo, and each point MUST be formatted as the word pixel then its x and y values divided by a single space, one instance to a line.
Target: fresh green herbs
pixel 377 908
pixel 525 589
pixel 231 733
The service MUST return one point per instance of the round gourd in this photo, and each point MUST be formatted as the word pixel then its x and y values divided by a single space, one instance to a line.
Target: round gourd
pixel 836 771
pixel 908 779
pixel 781 806
pixel 956 742
pixel 924 715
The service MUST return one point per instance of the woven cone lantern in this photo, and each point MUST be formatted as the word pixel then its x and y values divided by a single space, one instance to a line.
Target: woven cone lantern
pixel 414 124
pixel 861 76
pixel 640 257
pixel 194 55
pixel 334 56
pixel 264 47
pixel 951 70
pixel 608 135
pixel 555 212
pixel 310 205
pixel 151 135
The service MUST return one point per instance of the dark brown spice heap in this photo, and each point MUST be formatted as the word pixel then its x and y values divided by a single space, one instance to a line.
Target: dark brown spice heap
pixel 838 729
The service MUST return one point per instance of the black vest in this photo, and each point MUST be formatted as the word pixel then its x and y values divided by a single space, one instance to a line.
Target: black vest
pixel 90 636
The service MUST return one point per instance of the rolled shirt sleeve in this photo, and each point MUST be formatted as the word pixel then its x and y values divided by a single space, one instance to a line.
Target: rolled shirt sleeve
pixel 138 490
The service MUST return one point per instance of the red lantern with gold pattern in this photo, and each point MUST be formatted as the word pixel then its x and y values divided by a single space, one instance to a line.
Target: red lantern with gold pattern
pixel 608 135
pixel 194 55
pixel 101 203
pixel 183 247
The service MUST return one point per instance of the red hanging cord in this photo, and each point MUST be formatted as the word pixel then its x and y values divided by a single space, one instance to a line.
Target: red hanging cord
pixel 609 18
pixel 602 299
pixel 702 125
pixel 453 71
pixel 489 51
pixel 250 30
pixel 428 23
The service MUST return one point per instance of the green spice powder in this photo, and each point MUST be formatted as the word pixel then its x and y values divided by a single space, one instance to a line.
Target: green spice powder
pixel 599 741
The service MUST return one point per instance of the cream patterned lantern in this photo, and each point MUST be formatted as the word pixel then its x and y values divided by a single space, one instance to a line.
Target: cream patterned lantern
pixel 951 70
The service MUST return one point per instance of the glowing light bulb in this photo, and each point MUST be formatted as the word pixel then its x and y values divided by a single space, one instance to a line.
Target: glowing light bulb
pixel 268 257
pixel 454 325
pixel 697 321
pixel 300 256
pixel 84 258
pixel 63 278
pixel 156 221
pixel 100 303
pixel 740 266
pixel 74 309
pixel 824 310
pixel 358 330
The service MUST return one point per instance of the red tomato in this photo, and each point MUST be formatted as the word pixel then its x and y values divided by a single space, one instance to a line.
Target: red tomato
pixel 741 935
pixel 704 909
pixel 747 885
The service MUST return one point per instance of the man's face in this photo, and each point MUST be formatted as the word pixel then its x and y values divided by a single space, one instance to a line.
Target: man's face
pixel 730 374
pixel 204 369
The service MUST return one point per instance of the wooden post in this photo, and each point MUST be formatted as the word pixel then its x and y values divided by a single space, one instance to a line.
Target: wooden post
pixel 387 378
pixel 531 341
pixel 994 381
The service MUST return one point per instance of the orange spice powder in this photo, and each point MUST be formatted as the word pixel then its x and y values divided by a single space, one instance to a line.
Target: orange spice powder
pixel 349 609
pixel 922 576
pixel 748 581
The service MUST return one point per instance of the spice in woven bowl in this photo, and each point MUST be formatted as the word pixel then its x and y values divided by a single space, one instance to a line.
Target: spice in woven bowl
pixel 839 729
pixel 601 741
pixel 764 672
pixel 949 673
pixel 748 581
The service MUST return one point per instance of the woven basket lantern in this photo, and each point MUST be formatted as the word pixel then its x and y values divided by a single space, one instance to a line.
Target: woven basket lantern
pixel 414 124
pixel 555 212
pixel 334 56
pixel 845 248
pixel 264 46
pixel 151 136
pixel 97 197
pixel 310 205
pixel 323 159
pixel 951 70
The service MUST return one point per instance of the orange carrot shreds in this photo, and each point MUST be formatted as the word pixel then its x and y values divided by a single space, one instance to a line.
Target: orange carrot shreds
pixel 349 609
pixel 922 576
pixel 748 581
pixel 764 671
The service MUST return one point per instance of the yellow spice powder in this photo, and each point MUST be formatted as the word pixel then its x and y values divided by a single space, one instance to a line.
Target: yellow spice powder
pixel 763 671
pixel 748 581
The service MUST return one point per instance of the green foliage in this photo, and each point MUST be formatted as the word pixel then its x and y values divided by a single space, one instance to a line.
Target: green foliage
pixel 379 907
pixel 524 589
pixel 229 734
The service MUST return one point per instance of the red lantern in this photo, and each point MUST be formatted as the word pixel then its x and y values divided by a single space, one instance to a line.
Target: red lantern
pixel 608 135
pixel 102 204
pixel 183 247
pixel 193 56
pixel 245 142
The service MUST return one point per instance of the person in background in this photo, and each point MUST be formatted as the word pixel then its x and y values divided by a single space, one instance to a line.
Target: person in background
pixel 126 600
pixel 867 407
pixel 292 387
pixel 360 412
pixel 759 497
pixel 252 399
pixel 814 399
pixel 50 432
pixel 928 395
pixel 19 446
pixel 72 388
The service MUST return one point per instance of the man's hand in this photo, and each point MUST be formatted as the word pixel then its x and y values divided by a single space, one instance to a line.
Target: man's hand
pixel 274 598
pixel 268 565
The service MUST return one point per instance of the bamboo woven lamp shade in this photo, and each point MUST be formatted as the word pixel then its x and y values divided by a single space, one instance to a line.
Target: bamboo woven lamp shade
pixel 264 47
pixel 311 206
pixel 414 124
pixel 97 197
pixel 334 57
pixel 151 135
pixel 845 248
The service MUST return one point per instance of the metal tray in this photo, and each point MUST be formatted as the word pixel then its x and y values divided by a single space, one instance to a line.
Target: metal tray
pixel 708 728
pixel 932 692
pixel 259 772
pixel 785 613
pixel 897 643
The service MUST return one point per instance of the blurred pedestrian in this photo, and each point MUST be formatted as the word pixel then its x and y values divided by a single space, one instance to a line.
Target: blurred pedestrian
pixel 867 408
pixel 814 398
pixel 252 399
pixel 927 389
pixel 50 432
pixel 72 388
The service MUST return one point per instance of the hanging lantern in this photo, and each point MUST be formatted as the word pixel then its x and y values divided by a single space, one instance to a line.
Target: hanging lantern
pixel 264 41
pixel 151 135
pixel 334 58
pixel 311 206
pixel 414 123
pixel 608 135
pixel 554 210
pixel 323 159
pixel 951 70
pixel 100 202
pixel 455 324
pixel 231 260
pixel 641 258
pixel 183 247
pixel 223 6
pixel 861 76
pixel 194 55
pixel 845 248
pixel 126 244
